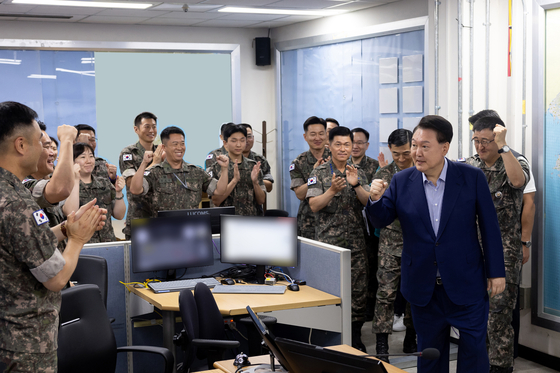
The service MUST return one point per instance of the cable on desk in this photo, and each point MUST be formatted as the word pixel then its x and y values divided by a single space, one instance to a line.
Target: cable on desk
pixel 310 331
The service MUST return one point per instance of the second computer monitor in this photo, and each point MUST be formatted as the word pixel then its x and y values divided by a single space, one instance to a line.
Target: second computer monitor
pixel 213 212
pixel 259 240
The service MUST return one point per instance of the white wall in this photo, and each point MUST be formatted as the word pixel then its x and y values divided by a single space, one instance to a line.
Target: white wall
pixel 257 83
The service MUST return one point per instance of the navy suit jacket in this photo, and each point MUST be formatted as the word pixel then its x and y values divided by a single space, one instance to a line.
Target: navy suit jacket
pixel 455 251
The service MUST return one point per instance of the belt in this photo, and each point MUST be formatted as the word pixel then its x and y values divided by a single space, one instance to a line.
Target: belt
pixel 438 281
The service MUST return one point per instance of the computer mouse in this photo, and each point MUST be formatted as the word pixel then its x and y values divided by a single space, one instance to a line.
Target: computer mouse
pixel 293 287
pixel 228 281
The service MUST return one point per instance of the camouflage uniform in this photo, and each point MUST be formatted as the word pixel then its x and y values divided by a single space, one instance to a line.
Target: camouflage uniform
pixel 28 257
pixel 105 193
pixel 507 201
pixel 211 157
pixel 340 223
pixel 100 169
pixel 176 189
pixel 130 160
pixel 300 169
pixel 243 195
pixel 389 268
pixel 52 210
pixel 368 165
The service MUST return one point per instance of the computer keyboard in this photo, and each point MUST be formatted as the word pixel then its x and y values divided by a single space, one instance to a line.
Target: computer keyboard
pixel 169 286
pixel 249 289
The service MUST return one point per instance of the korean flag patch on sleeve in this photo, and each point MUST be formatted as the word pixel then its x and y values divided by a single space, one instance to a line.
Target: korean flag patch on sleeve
pixel 210 156
pixel 292 167
pixel 210 173
pixel 146 173
pixel 312 180
pixel 40 217
pixel 127 157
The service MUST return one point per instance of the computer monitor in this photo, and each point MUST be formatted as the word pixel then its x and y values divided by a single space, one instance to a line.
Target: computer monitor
pixel 308 358
pixel 259 240
pixel 171 243
pixel 213 212
pixel 268 339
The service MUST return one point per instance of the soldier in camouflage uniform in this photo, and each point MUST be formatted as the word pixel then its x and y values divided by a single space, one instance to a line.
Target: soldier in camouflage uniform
pixel 337 193
pixel 212 157
pixel 33 271
pixel 507 175
pixel 248 153
pixel 315 135
pixel 87 187
pixel 390 251
pixel 245 190
pixel 130 159
pixel 46 191
pixel 102 169
pixel 174 184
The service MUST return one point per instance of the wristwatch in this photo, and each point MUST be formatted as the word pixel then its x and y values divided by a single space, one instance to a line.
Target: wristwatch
pixel 527 243
pixel 504 149
pixel 355 186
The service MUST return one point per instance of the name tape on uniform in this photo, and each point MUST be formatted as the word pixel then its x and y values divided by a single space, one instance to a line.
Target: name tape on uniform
pixel 40 217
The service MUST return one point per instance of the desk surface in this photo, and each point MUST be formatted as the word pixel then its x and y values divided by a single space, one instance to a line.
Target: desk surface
pixel 228 367
pixel 234 304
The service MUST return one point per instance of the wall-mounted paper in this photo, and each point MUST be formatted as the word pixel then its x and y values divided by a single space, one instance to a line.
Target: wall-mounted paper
pixel 413 68
pixel 412 99
pixel 410 122
pixel 387 153
pixel 386 126
pixel 388 100
pixel 388 70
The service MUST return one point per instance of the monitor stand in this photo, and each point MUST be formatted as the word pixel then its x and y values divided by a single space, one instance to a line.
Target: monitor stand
pixel 171 275
pixel 259 275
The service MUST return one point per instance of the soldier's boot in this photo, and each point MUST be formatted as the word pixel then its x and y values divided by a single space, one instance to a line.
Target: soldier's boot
pixel 357 336
pixel 497 369
pixel 382 346
pixel 409 343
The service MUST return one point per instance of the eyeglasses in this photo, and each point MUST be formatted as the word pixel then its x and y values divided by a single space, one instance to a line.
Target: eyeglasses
pixel 481 142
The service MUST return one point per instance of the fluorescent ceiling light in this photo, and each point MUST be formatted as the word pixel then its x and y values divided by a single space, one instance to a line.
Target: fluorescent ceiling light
pixel 10 62
pixel 288 12
pixel 88 60
pixel 39 76
pixel 86 73
pixel 88 4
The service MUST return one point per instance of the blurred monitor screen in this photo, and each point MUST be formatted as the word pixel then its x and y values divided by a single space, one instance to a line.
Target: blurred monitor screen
pixel 213 212
pixel 171 243
pixel 260 240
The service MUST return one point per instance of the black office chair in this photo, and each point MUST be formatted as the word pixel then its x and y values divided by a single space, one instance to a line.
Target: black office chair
pixel 203 334
pixel 273 212
pixel 86 342
pixel 92 269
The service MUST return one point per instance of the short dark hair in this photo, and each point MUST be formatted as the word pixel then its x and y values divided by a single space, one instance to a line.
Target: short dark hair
pixel 144 115
pixel 332 120
pixel 482 114
pixel 487 123
pixel 224 126
pixel 167 132
pixel 234 128
pixel 314 120
pixel 400 137
pixel 359 129
pixel 14 115
pixel 54 140
pixel 444 129
pixel 84 127
pixel 246 125
pixel 80 147
pixel 42 125
pixel 340 131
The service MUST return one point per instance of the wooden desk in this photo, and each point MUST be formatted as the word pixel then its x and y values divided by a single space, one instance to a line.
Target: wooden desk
pixel 234 304
pixel 227 366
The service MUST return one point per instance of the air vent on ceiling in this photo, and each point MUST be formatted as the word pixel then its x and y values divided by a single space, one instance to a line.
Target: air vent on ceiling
pixel 34 16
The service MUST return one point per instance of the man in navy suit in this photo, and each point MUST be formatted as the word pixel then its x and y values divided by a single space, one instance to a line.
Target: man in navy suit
pixel 446 276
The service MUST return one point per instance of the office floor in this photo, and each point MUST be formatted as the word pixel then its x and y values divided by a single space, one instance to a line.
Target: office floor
pixel 409 364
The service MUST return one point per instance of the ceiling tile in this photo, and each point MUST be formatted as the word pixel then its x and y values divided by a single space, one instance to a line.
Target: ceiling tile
pixel 111 19
pixel 131 13
pixel 73 19
pixel 189 15
pixel 15 8
pixel 241 3
pixel 252 17
pixel 64 10
pixel 226 23
pixel 172 21
pixel 298 4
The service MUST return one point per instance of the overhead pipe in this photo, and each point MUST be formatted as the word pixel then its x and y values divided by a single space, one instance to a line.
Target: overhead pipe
pixel 460 75
pixel 436 64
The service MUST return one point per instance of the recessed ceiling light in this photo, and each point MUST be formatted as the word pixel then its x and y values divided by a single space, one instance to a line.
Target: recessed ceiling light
pixel 39 76
pixel 88 4
pixel 7 61
pixel 86 73
pixel 288 12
